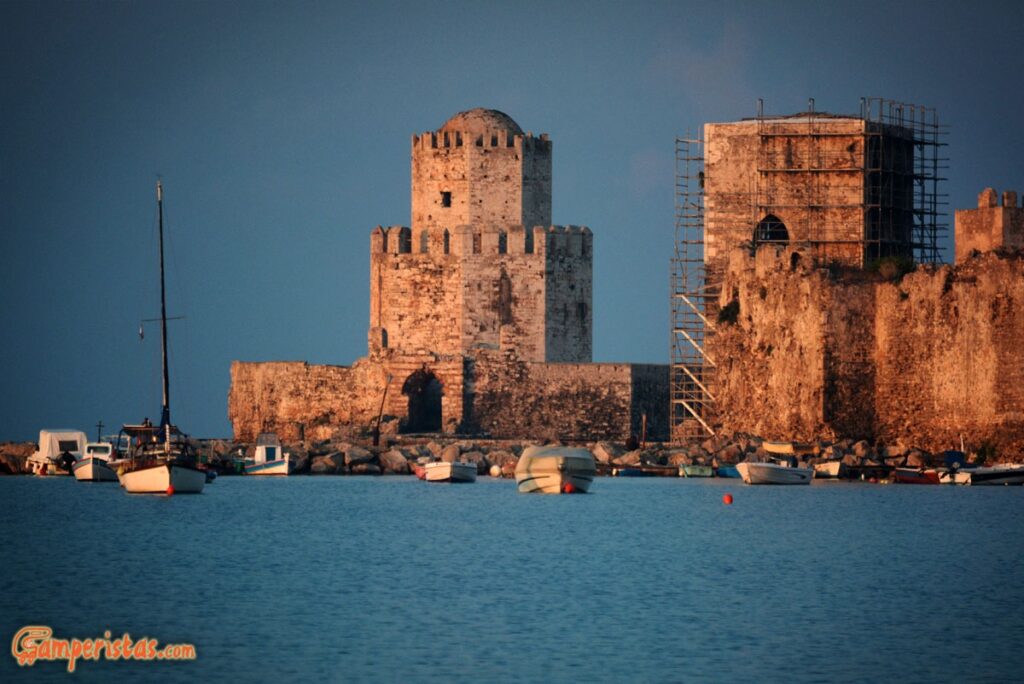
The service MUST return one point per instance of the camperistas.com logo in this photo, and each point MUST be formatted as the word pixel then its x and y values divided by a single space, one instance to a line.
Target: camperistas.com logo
pixel 34 643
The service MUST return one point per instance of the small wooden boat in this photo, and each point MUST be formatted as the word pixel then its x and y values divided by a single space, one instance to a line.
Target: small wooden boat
pixel 555 470
pixel 729 471
pixel 95 466
pixel 928 476
pixel 828 470
pixel 269 458
pixel 442 471
pixel 774 473
pixel 788 448
pixel 695 471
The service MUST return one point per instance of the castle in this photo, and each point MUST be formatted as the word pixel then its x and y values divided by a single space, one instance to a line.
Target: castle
pixel 480 314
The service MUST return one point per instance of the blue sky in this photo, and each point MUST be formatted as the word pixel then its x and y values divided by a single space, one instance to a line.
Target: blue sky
pixel 281 131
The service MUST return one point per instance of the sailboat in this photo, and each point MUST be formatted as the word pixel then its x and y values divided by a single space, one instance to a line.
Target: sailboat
pixel 160 458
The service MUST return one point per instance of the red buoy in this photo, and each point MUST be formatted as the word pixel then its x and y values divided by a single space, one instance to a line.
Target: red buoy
pixel 569 488
pixel 170 490
pixel 727 499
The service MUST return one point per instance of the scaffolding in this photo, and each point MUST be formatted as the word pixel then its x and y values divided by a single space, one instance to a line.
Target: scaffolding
pixel 855 188
pixel 693 298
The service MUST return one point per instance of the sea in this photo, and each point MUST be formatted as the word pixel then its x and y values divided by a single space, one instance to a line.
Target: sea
pixel 390 579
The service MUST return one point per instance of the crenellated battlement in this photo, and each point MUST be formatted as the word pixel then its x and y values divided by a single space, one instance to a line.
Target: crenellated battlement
pixel 483 241
pixel 494 140
pixel 994 225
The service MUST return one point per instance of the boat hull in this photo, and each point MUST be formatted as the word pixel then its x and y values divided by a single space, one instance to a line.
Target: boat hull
pixel 771 473
pixel 695 471
pixel 157 479
pixel 278 467
pixel 996 476
pixel 915 476
pixel 728 471
pixel 45 468
pixel 450 472
pixel 94 470
pixel 555 470
pixel 828 470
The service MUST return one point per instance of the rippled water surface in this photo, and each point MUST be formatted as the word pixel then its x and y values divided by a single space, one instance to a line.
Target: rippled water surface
pixel 393 579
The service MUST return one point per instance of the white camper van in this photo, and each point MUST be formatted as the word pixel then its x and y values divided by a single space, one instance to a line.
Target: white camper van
pixel 58 450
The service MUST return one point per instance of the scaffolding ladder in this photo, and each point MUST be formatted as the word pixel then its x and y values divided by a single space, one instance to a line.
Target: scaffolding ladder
pixel 693 297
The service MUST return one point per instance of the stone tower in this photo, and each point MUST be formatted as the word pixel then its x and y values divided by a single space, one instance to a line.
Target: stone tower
pixel 481 266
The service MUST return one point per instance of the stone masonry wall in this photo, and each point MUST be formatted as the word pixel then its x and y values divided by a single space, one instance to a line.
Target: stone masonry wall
pixel 817 353
pixel 515 398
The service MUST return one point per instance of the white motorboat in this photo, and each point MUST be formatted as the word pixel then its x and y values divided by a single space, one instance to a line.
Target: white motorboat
pixel 1010 474
pixel 555 470
pixel 442 471
pixel 774 473
pixel 94 466
pixel 828 469
pixel 58 451
pixel 160 459
pixel 269 459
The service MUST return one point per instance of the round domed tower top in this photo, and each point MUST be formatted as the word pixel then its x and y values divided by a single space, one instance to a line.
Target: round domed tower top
pixel 482 120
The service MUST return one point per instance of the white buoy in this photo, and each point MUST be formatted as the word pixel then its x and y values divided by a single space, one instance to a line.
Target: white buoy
pixel 495 470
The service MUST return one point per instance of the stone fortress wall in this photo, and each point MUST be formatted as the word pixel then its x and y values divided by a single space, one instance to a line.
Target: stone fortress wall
pixel 480 314
pixel 921 360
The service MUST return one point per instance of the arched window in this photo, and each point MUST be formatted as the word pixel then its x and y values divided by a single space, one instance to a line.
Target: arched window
pixel 502 243
pixel 770 229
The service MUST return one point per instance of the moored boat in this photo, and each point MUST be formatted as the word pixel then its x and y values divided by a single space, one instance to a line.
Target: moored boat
pixel 996 475
pixel 695 471
pixel 95 466
pixel 58 451
pixel 555 470
pixel 269 458
pixel 828 469
pixel 443 471
pixel 788 448
pixel 729 471
pixel 929 476
pixel 160 459
pixel 774 473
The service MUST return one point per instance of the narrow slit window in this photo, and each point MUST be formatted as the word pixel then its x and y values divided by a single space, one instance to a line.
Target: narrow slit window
pixel 477 243
pixel 446 198
pixel 502 243
pixel 447 242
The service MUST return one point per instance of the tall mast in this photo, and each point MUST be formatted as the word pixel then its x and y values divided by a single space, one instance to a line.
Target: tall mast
pixel 165 413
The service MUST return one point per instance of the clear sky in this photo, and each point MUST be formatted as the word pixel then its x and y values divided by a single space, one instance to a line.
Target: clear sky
pixel 282 130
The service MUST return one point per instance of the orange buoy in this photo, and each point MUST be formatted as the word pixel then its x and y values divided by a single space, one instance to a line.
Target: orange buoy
pixel 727 499
pixel 569 488
pixel 170 490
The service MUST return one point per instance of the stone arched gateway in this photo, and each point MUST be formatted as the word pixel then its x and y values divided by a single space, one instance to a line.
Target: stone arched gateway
pixel 424 391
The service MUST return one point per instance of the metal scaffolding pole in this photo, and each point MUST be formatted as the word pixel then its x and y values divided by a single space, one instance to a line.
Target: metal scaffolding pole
pixel 692 370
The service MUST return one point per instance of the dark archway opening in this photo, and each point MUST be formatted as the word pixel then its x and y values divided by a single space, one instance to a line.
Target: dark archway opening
pixel 770 229
pixel 424 392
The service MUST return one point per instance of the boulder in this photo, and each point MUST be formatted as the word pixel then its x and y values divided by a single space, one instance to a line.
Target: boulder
pixel 451 453
pixel 394 461
pixel 356 455
pixel 501 457
pixel 862 449
pixel 851 460
pixel 366 469
pixel 896 461
pixel 477 458
pixel 330 464
pixel 833 451
pixel 917 458
pixel 605 452
pixel 631 458
pixel 678 457
pixel 731 453
pixel 434 449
